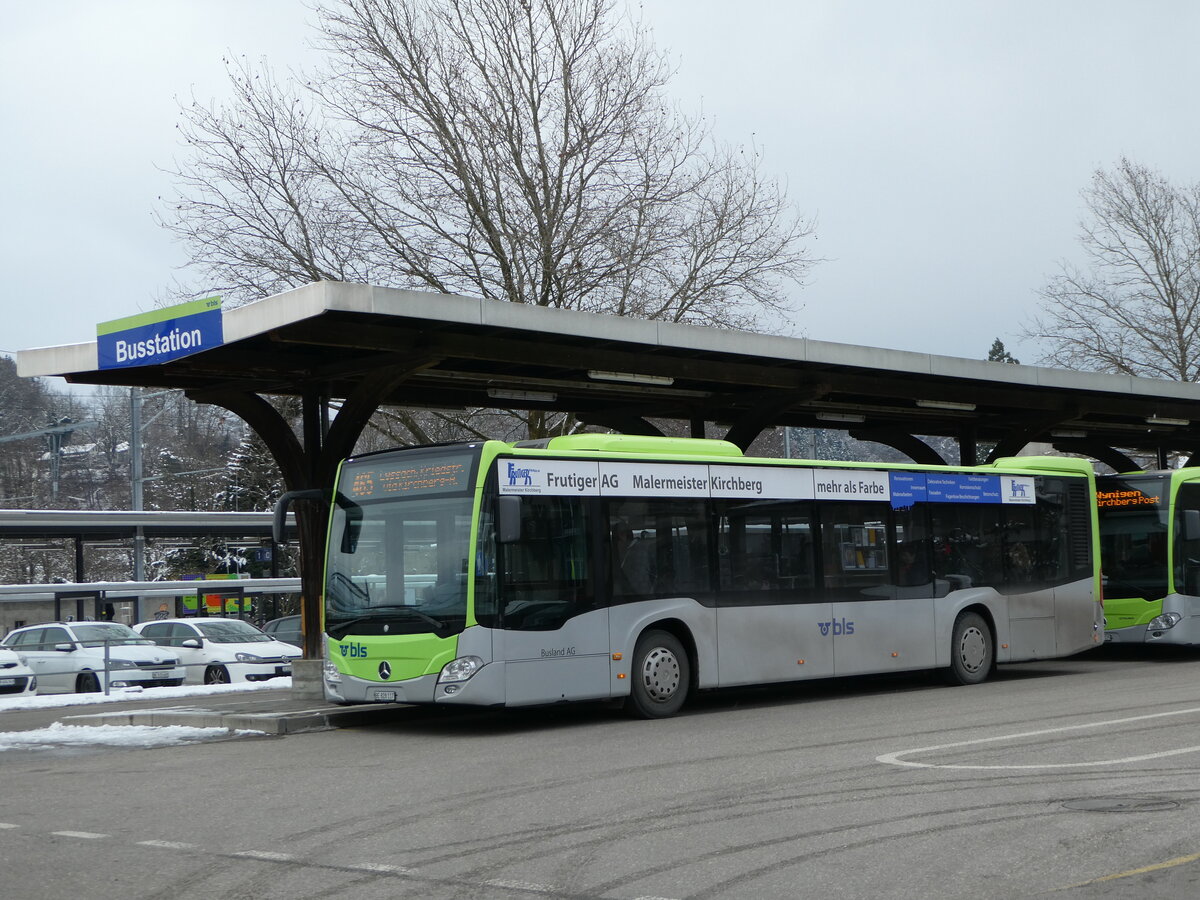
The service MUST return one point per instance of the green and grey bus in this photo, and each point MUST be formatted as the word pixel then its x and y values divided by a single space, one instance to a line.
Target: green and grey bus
pixel 593 567
pixel 1150 554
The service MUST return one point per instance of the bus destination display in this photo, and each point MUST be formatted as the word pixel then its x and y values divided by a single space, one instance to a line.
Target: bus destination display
pixel 419 477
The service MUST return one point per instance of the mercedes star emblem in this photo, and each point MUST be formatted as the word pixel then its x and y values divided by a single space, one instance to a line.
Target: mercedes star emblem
pixel 385 671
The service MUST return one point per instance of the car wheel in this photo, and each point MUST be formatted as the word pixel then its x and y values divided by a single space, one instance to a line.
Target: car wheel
pixel 87 683
pixel 216 675
pixel 661 674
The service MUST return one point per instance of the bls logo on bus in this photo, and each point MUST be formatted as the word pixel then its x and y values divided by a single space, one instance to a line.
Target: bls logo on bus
pixel 354 651
pixel 837 627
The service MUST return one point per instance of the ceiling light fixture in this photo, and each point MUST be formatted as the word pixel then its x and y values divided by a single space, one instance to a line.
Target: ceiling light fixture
pixel 630 377
pixel 946 404
pixel 840 417
pixel 1067 433
pixel 527 396
pixel 1162 420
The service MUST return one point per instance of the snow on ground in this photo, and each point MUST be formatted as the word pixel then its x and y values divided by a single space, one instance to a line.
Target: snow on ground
pixel 49 701
pixel 59 735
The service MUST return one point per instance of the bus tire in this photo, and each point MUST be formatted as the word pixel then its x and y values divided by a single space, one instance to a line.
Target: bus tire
pixel 661 676
pixel 972 650
pixel 87 683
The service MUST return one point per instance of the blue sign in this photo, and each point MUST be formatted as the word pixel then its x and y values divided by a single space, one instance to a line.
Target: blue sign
pixel 907 488
pixel 160 336
pixel 962 488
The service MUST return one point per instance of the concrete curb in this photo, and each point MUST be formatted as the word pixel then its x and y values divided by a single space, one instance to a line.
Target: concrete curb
pixel 290 722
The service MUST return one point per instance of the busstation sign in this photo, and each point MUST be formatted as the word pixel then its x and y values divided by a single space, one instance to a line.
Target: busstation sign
pixel 161 335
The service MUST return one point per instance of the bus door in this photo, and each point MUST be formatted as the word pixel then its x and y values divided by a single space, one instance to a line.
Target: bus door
pixel 881 587
pixel 772 623
pixel 553 631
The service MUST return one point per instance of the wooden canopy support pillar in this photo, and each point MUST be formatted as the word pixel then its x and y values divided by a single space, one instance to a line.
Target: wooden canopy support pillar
pixel 1023 435
pixel 1110 456
pixel 768 408
pixel 621 422
pixel 910 445
pixel 311 465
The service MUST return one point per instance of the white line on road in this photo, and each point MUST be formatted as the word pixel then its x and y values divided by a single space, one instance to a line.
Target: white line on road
pixel 265 854
pixel 86 835
pixel 168 845
pixel 383 868
pixel 8 825
pixel 894 759
pixel 521 885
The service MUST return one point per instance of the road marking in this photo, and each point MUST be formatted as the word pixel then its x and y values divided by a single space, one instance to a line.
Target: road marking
pixel 520 885
pixel 265 854
pixel 7 825
pixel 894 759
pixel 383 868
pixel 1169 864
pixel 168 845
pixel 86 835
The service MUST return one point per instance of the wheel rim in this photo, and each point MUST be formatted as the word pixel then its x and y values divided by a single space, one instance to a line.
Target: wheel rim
pixel 660 674
pixel 972 649
pixel 216 676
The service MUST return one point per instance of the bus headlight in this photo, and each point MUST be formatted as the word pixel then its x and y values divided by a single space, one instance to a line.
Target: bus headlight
pixel 331 673
pixel 1165 621
pixel 460 669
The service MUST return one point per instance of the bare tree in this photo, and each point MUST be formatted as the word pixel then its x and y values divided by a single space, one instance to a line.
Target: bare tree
pixel 517 150
pixel 1136 310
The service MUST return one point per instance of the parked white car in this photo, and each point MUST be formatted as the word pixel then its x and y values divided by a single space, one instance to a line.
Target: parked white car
pixel 83 656
pixel 16 678
pixel 219 651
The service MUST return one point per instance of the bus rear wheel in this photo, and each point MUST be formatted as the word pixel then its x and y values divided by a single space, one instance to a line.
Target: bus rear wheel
pixel 972 651
pixel 661 674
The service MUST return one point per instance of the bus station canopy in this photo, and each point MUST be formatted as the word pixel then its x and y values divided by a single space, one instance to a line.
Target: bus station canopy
pixel 381 346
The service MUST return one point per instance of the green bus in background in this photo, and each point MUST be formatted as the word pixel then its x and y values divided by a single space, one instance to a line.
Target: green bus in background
pixel 1150 547
pixel 593 567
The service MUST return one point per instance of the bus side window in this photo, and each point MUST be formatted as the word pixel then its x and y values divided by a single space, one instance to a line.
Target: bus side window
pixel 547 572
pixel 966 543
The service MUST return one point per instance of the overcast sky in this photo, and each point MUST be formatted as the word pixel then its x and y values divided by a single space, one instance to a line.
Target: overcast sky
pixel 941 146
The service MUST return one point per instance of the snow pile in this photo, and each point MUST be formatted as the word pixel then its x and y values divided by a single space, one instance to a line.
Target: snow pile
pixel 60 735
pixel 51 701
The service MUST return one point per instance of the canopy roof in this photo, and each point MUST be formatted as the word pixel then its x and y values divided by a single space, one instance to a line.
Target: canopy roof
pixel 439 351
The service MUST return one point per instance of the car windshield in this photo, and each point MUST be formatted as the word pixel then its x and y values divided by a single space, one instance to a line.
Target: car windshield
pixel 231 632
pixel 97 634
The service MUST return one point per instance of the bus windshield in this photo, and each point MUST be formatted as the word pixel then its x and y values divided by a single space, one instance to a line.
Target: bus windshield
pixel 398 551
pixel 1133 537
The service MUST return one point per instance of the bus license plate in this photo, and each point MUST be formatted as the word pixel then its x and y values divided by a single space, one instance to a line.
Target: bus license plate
pixel 385 695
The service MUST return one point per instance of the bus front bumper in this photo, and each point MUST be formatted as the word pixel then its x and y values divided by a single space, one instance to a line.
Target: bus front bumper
pixel 484 688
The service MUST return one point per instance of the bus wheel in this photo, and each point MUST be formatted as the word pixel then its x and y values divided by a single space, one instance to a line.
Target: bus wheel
pixel 216 675
pixel 972 654
pixel 661 676
pixel 87 683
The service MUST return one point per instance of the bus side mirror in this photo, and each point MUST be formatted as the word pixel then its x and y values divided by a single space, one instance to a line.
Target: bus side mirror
pixel 1191 524
pixel 508 519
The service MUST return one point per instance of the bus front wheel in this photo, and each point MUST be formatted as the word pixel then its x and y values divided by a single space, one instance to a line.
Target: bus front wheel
pixel 661 676
pixel 972 652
